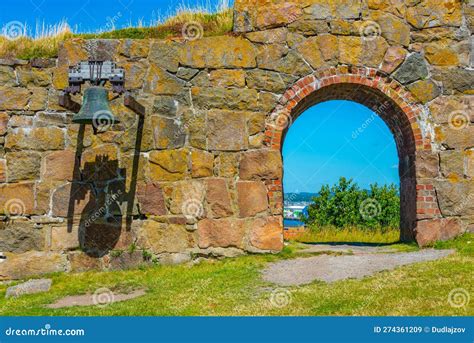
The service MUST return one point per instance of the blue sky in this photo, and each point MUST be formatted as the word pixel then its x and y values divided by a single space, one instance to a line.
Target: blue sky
pixel 332 139
pixel 89 15
pixel 319 147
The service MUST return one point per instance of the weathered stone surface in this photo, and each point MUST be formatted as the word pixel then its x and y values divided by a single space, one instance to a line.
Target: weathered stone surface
pixel 424 90
pixel 81 262
pixel 7 76
pixel 320 51
pixel 4 117
pixel 277 35
pixel 221 233
pixel 134 48
pixel 414 68
pixel 218 52
pixel 469 169
pixel 261 165
pixel 32 264
pixel 443 53
pixel 166 106
pixel 266 233
pixel 168 133
pixel 218 198
pixel 225 98
pixel 452 164
pixel 20 236
pixel 444 108
pixel 13 98
pixel 41 139
pixel 292 64
pixel 80 194
pixel 393 29
pixel 161 238
pixel 227 164
pixel 394 56
pixel 127 260
pixel 151 199
pixel 135 74
pixel 3 170
pixel 38 100
pixel 359 51
pixel 202 163
pixel 17 199
pixel 454 137
pixel 63 239
pixel 164 54
pixel 160 82
pixel 270 81
pixel 427 164
pixel 227 78
pixel 430 231
pixel 226 130
pixel 59 166
pixel 29 287
pixel 252 198
pixel 427 13
pixel 187 73
pixel 269 55
pixel 188 198
pixel 455 197
pixel 28 76
pixel 23 165
pixel 168 165
pixel 455 80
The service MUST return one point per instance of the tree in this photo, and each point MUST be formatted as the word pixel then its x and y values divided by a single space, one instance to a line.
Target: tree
pixel 345 204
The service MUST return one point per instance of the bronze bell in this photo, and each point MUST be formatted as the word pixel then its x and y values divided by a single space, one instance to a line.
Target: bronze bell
pixel 95 109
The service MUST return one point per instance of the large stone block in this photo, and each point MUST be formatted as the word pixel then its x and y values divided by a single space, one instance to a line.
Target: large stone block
pixel 227 131
pixel 218 52
pixel 62 238
pixel 151 199
pixel 19 266
pixel 266 233
pixel 455 197
pixel 41 139
pixel 13 98
pixel 17 199
pixel 218 198
pixel 220 233
pixel 59 166
pixel 430 231
pixel 187 198
pixel 431 13
pixel 168 133
pixel 414 68
pixel 20 236
pixel 261 164
pixel 168 165
pixel 164 238
pixel 160 82
pixel 23 165
pixel 252 198
pixel 320 51
pixel 225 98
pixel 269 81
pixel 202 163
pixel 79 197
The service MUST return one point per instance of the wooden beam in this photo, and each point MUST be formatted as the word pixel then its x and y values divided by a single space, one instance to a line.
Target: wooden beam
pixel 134 105
pixel 66 102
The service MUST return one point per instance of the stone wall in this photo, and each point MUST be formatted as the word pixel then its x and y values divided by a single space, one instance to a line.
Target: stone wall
pixel 202 175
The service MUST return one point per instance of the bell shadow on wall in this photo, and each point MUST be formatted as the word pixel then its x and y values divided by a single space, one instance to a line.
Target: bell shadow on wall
pixel 101 184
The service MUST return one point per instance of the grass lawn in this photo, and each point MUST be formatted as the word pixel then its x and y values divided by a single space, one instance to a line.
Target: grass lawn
pixel 233 287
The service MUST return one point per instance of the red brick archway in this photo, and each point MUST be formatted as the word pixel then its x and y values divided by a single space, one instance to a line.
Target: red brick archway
pixel 393 103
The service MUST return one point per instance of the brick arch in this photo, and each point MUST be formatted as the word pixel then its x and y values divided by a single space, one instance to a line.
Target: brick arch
pixel 392 102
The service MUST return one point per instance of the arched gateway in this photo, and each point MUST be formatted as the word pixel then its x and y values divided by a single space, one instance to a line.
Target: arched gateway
pixel 203 175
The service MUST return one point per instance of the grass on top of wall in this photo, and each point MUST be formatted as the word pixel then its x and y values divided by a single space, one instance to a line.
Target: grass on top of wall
pixel 234 287
pixel 46 41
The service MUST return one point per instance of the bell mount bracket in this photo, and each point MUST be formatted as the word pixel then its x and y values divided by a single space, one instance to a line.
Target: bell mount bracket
pixel 98 73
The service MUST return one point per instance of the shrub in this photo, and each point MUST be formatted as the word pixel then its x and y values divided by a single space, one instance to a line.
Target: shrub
pixel 345 204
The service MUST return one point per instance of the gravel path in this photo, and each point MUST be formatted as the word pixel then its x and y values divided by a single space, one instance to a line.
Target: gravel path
pixel 330 268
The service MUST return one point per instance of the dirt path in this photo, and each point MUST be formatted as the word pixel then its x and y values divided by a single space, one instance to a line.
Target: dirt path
pixel 365 261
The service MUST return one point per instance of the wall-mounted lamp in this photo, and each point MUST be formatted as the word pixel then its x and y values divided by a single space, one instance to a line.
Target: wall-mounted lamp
pixel 95 109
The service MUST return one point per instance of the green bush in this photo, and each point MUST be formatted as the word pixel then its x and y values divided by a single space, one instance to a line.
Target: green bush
pixel 346 205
